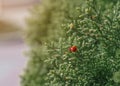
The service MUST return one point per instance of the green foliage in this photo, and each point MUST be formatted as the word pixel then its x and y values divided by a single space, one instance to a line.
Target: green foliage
pixel 97 36
pixel 94 28
pixel 36 69
pixel 45 20
pixel 44 24
pixel 116 77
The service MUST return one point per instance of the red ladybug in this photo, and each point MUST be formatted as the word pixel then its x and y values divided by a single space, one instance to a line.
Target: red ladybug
pixel 73 48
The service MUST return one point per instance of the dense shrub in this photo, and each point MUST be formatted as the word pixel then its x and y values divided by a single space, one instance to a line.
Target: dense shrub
pixel 87 55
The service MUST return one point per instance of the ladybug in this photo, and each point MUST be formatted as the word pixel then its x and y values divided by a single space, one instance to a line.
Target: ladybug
pixel 73 49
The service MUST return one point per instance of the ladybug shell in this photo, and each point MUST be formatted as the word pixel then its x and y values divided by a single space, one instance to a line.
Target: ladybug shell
pixel 73 49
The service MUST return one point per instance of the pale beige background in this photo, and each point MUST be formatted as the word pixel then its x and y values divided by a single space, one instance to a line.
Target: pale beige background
pixel 12 59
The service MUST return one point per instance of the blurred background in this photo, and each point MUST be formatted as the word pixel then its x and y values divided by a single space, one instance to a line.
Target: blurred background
pixel 12 46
